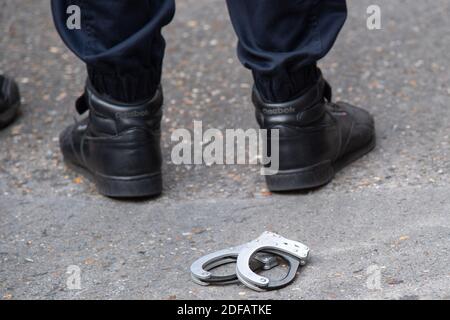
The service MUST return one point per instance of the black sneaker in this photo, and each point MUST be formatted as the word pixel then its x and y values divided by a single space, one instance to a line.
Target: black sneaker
pixel 118 145
pixel 9 101
pixel 317 137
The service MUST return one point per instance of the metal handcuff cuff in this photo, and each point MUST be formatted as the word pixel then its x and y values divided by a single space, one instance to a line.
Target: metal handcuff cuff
pixel 257 255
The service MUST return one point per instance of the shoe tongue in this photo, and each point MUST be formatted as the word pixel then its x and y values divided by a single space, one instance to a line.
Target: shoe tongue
pixel 328 92
pixel 82 105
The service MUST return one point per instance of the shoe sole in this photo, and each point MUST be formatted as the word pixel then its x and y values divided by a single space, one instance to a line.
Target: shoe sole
pixel 9 115
pixel 144 186
pixel 314 176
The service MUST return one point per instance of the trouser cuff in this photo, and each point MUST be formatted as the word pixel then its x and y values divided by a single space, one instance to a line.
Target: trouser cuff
pixel 128 88
pixel 284 85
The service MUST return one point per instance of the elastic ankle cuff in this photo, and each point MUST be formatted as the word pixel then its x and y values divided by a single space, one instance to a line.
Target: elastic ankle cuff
pixel 283 85
pixel 127 88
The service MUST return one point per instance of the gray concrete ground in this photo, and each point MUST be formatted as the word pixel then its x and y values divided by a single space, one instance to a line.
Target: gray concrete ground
pixel 390 210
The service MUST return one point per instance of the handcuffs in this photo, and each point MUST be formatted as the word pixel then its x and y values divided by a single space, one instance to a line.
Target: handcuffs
pixel 260 254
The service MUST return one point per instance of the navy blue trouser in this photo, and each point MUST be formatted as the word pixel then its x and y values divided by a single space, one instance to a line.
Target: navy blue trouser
pixel 279 40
